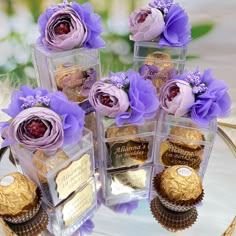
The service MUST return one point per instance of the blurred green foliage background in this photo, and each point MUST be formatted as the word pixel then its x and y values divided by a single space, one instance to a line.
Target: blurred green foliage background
pixel 18 30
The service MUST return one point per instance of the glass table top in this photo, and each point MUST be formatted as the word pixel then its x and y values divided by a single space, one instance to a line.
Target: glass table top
pixel 214 215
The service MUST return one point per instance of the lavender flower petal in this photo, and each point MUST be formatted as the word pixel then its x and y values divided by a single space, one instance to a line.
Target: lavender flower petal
pixel 177 32
pixel 143 100
pixel 73 117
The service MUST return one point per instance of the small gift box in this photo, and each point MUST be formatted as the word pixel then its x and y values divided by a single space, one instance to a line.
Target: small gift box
pixel 66 56
pixel 73 72
pixel 48 138
pixel 126 107
pixel 67 217
pixel 59 173
pixel 124 185
pixel 180 141
pixel 187 124
pixel 161 32
pixel 126 145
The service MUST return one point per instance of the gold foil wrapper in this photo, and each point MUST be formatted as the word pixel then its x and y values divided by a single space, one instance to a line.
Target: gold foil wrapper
pixel 62 71
pixel 188 134
pixel 164 63
pixel 17 194
pixel 114 132
pixel 45 162
pixel 160 59
pixel 69 80
pixel 181 183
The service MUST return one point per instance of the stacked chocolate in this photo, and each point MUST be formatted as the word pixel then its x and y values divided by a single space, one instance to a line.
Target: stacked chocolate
pixel 20 205
pixel 179 190
pixel 178 150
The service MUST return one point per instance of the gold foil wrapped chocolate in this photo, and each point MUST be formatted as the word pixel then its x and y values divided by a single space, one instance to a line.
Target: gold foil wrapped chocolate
pixel 17 194
pixel 74 81
pixel 121 131
pixel 190 136
pixel 164 63
pixel 181 183
pixel 45 162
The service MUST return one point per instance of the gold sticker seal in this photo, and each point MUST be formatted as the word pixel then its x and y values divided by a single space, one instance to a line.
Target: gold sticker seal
pixel 7 180
pixel 70 178
pixel 129 153
pixel 82 201
pixel 184 171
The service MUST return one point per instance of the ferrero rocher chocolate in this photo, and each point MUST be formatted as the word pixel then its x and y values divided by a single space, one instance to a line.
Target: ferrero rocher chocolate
pixel 191 136
pixel 181 183
pixel 160 59
pixel 45 162
pixel 165 65
pixel 63 71
pixel 121 131
pixel 17 194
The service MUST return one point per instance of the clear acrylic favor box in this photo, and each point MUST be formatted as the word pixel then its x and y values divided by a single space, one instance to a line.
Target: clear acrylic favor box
pixel 180 141
pixel 124 185
pixel 158 64
pixel 73 72
pixel 125 151
pixel 127 145
pixel 59 173
pixel 67 217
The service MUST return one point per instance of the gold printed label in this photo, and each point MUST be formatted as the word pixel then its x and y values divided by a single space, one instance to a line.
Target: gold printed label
pixel 71 177
pixel 82 201
pixel 128 153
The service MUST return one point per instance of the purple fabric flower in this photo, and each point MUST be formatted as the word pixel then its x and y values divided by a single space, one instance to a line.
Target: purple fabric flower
pixel 177 31
pixel 37 128
pixel 213 103
pixel 143 100
pixel 108 99
pixel 146 24
pixel 149 71
pixel 69 26
pixel 71 115
pixel 15 106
